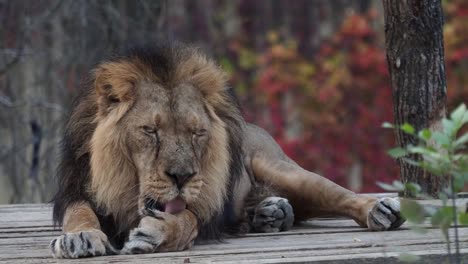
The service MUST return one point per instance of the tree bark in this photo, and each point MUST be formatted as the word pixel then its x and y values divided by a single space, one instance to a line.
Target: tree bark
pixel 415 55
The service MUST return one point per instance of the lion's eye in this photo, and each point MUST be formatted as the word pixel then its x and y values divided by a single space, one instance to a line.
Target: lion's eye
pixel 199 133
pixel 149 129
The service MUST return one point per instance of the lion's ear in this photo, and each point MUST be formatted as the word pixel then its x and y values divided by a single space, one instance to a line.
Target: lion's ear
pixel 114 84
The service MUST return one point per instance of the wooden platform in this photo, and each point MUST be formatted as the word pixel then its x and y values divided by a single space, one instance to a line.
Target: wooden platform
pixel 26 230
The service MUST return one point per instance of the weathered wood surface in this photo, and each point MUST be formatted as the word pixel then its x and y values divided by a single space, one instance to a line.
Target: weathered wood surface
pixel 26 230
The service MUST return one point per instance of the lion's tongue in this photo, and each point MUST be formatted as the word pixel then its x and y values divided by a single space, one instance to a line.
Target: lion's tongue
pixel 175 206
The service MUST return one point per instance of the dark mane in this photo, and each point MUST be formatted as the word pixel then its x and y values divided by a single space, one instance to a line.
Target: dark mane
pixel 225 222
pixel 73 172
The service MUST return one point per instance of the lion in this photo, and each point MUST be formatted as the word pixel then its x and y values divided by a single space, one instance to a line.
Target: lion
pixel 156 156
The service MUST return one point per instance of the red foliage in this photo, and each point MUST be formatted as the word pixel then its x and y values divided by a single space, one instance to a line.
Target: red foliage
pixel 327 112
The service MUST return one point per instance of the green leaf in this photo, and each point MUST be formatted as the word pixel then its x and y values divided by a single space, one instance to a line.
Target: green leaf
pixel 419 150
pixel 443 218
pixel 412 162
pixel 447 190
pixel 398 184
pixel 423 196
pixel 413 188
pixel 449 127
pixel 441 139
pixel 407 128
pixel 425 134
pixel 460 159
pixel 412 211
pixel 463 218
pixel 461 174
pixel 443 197
pixel 458 184
pixel 387 125
pixel 408 257
pixel 465 119
pixel 389 187
pixel 397 152
pixel 436 169
pixel 461 141
pixel 458 114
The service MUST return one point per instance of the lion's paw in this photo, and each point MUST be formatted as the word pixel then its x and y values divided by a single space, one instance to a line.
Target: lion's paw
pixel 144 239
pixel 140 241
pixel 81 244
pixel 273 214
pixel 385 215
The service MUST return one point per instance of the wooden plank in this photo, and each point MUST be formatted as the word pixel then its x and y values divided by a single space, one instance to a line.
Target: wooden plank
pixel 26 231
pixel 277 256
pixel 37 247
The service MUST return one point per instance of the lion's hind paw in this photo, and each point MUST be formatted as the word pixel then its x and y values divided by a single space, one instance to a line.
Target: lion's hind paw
pixel 385 215
pixel 273 214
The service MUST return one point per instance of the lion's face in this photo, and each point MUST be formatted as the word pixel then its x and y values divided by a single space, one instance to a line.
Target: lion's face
pixel 168 132
pixel 162 137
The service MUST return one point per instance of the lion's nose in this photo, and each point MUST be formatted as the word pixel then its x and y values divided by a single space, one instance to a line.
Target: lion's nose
pixel 180 177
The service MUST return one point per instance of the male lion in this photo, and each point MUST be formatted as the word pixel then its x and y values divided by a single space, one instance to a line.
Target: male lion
pixel 157 154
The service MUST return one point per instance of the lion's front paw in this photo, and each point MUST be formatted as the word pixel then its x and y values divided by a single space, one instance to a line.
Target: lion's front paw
pixel 146 238
pixel 385 215
pixel 161 232
pixel 273 214
pixel 81 244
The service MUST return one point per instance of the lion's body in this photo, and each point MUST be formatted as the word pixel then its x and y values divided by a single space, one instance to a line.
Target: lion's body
pixel 156 154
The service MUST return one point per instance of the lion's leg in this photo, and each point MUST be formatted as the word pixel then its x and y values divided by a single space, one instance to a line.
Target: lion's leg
pixel 82 235
pixel 160 232
pixel 312 195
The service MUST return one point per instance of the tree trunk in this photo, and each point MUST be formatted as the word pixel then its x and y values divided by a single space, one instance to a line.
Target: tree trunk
pixel 415 55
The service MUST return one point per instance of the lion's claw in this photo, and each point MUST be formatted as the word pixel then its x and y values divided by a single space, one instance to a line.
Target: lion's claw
pixel 81 244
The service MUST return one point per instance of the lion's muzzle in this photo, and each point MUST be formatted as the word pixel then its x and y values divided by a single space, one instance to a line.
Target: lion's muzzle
pixel 180 176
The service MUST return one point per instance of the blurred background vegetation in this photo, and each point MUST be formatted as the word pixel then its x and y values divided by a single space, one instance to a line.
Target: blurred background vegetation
pixel 313 73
